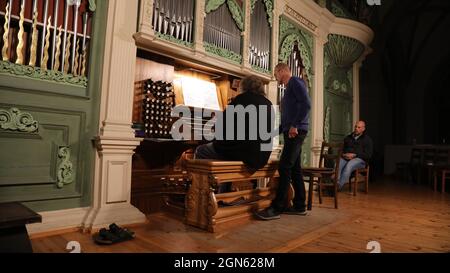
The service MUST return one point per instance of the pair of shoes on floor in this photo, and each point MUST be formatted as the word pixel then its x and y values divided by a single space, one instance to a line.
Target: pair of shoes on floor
pixel 294 211
pixel 267 214
pixel 115 234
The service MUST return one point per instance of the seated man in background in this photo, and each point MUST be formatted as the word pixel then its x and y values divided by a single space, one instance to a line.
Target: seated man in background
pixel 357 151
pixel 248 149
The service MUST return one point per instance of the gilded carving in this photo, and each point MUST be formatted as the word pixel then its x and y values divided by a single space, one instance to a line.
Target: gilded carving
pixel 5 55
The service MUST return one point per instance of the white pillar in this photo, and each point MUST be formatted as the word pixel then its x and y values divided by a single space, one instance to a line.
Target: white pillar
pixel 273 85
pixel 246 36
pixel 356 90
pixel 200 15
pixel 317 103
pixel 116 142
pixel 356 67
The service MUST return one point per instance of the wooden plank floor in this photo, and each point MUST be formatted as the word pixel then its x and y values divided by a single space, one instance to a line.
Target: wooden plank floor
pixel 401 217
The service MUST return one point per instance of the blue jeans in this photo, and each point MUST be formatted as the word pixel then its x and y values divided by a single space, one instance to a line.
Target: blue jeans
pixel 346 167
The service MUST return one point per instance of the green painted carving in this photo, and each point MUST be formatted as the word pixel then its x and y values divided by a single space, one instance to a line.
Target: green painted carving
pixel 337 80
pixel 222 52
pixel 252 5
pixel 343 51
pixel 235 9
pixel 261 70
pixel 289 34
pixel 269 10
pixel 285 27
pixel 286 50
pixel 14 120
pixel 236 13
pixel 321 3
pixel 174 40
pixel 326 126
pixel 92 5
pixel 348 122
pixel 37 73
pixel 340 11
pixel 212 5
pixel 309 39
pixel 65 173
pixel 286 47
pixel 305 159
pixel 350 75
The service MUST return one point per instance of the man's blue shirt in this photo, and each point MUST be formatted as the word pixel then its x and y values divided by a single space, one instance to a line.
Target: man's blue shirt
pixel 295 106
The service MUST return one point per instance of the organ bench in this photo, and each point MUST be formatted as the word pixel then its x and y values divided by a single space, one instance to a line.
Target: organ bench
pixel 202 199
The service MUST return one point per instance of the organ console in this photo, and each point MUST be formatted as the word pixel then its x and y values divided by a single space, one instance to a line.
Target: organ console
pixel 159 178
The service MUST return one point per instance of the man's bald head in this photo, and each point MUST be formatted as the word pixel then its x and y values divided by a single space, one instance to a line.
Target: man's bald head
pixel 360 127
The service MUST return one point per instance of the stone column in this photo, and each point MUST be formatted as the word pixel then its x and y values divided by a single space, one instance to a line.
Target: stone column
pixel 246 36
pixel 116 141
pixel 356 95
pixel 317 103
pixel 273 85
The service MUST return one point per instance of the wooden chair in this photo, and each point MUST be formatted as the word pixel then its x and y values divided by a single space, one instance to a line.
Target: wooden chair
pixel 410 171
pixel 326 174
pixel 359 176
pixel 441 167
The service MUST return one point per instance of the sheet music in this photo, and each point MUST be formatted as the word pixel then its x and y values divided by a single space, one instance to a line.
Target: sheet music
pixel 199 93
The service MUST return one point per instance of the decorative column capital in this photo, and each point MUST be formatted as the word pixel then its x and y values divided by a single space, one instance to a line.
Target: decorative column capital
pixel 146 17
pixel 200 16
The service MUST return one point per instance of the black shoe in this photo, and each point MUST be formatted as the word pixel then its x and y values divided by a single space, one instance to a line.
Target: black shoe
pixel 268 214
pixel 294 211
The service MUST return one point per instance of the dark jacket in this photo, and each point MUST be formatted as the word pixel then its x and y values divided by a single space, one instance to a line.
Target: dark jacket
pixel 295 106
pixel 362 147
pixel 248 151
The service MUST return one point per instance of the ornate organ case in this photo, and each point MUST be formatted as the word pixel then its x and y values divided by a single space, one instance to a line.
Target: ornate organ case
pixel 174 45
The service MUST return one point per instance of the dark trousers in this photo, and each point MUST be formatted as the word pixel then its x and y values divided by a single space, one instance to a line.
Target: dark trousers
pixel 290 170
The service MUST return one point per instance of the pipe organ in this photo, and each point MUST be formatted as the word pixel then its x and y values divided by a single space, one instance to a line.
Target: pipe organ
pixel 174 18
pixel 221 30
pixel 260 37
pixel 159 178
pixel 47 34
pixel 295 63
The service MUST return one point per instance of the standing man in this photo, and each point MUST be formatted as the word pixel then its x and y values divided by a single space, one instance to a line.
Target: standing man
pixel 358 149
pixel 295 108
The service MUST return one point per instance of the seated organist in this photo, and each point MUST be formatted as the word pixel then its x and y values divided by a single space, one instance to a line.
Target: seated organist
pixel 241 138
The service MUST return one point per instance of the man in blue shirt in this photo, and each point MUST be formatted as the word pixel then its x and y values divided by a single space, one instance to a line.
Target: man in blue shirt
pixel 295 108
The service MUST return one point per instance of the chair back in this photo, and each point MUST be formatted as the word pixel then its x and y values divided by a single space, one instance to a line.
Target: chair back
pixel 429 156
pixel 330 155
pixel 416 156
pixel 442 156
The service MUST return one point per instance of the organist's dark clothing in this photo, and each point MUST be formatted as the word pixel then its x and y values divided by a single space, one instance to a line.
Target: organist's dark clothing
pixel 246 150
